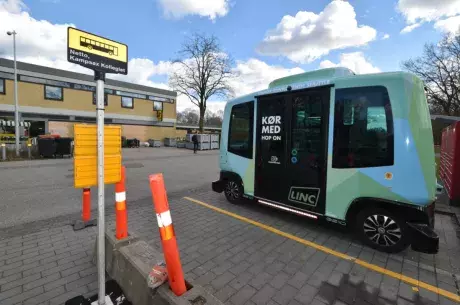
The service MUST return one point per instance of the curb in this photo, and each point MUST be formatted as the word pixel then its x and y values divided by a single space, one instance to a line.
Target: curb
pixel 129 262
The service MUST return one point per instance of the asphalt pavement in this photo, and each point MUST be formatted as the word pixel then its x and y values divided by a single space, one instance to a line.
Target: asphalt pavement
pixel 244 254
pixel 42 189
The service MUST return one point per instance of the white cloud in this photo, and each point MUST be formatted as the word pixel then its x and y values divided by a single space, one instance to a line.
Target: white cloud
pixel 417 12
pixel 141 70
pixel 254 75
pixel 37 38
pixel 385 36
pixel 354 61
pixel 308 36
pixel 410 28
pixel 215 106
pixel 449 25
pixel 204 8
pixel 43 43
pixel 12 6
pixel 428 10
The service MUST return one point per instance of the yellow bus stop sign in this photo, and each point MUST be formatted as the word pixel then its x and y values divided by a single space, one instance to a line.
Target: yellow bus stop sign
pixel 85 155
pixel 96 52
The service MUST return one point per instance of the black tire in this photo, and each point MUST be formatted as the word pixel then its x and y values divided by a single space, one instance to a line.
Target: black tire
pixel 382 230
pixel 233 191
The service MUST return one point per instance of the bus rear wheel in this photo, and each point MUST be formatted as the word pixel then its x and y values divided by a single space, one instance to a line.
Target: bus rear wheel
pixel 382 230
pixel 233 191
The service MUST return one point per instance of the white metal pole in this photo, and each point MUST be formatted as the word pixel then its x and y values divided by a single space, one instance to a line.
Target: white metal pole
pixel 100 78
pixel 16 104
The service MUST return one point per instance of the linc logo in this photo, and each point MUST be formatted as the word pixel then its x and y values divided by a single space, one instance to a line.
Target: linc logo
pixel 305 195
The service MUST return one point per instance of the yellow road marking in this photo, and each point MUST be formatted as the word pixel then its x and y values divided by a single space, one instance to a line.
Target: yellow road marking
pixel 399 276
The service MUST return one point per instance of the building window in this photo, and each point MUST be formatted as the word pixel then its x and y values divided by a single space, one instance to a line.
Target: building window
pixel 2 86
pixel 49 82
pixel 130 94
pixel 127 102
pixel 106 102
pixel 363 128
pixel 241 130
pixel 53 93
pixel 157 106
pixel 161 99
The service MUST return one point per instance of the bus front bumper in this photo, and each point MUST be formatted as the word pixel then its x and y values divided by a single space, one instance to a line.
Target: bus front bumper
pixel 423 238
pixel 218 186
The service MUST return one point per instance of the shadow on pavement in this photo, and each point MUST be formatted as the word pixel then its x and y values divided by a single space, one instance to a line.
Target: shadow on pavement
pixel 361 293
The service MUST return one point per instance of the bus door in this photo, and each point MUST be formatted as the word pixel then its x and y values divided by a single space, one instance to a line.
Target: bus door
pixel 291 150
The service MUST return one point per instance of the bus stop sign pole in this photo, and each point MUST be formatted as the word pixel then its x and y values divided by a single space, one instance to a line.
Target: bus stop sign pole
pixel 103 56
pixel 100 78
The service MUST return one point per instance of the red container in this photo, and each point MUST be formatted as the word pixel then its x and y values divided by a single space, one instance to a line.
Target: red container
pixel 449 167
pixel 49 136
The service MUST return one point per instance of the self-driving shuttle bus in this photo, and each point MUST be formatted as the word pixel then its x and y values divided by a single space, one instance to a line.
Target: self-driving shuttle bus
pixel 356 150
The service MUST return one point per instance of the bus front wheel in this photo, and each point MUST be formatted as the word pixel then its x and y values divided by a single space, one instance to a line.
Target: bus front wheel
pixel 233 191
pixel 382 230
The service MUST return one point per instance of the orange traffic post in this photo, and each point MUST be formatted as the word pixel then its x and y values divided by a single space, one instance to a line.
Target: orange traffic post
pixel 120 207
pixel 86 205
pixel 86 220
pixel 168 237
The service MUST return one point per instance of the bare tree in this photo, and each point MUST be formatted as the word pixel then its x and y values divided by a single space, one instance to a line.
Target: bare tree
pixel 203 71
pixel 213 119
pixel 191 117
pixel 188 116
pixel 439 68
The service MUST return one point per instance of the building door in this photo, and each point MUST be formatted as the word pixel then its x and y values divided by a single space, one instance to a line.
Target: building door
pixel 291 148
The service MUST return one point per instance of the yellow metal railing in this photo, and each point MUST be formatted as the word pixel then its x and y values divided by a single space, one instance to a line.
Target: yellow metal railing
pixel 10 138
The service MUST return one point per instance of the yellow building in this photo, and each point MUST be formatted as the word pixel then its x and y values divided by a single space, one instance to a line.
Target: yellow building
pixel 52 100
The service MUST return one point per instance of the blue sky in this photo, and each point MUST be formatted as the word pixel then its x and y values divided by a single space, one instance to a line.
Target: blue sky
pixel 144 28
pixel 155 29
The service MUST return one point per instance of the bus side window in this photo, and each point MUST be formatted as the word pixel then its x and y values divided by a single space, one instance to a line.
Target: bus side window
pixel 348 112
pixel 241 130
pixel 363 128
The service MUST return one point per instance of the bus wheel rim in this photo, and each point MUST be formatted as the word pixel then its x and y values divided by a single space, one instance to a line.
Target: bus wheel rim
pixel 232 190
pixel 382 230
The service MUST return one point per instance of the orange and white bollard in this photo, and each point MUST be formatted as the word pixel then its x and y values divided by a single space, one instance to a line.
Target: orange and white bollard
pixel 168 237
pixel 120 207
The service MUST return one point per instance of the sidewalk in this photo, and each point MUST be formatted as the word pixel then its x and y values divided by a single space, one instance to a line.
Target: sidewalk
pixel 46 262
pixel 48 266
pixel 442 207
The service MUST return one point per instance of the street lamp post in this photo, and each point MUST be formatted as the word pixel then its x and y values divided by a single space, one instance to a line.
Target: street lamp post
pixel 16 104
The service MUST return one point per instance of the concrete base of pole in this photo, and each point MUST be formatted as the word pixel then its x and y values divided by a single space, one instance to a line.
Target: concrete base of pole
pixel 80 224
pixel 129 262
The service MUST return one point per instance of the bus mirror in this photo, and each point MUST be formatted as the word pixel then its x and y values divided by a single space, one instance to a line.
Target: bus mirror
pixel 348 112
